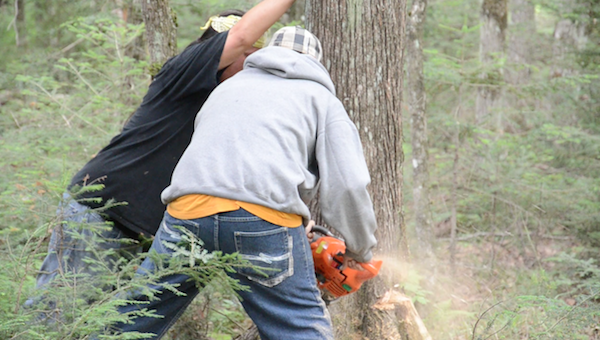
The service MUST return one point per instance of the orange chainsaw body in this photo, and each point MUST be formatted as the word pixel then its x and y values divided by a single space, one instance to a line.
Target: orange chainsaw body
pixel 328 255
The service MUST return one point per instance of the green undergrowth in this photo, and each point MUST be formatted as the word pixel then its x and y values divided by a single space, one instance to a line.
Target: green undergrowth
pixel 57 112
pixel 524 183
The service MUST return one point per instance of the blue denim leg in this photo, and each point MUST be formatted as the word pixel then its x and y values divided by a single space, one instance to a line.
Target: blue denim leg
pixel 284 301
pixel 80 228
pixel 169 305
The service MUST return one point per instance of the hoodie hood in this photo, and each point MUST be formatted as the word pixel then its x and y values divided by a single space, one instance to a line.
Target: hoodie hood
pixel 289 64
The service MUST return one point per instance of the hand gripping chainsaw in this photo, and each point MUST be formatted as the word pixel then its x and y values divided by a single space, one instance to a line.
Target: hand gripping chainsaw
pixel 333 280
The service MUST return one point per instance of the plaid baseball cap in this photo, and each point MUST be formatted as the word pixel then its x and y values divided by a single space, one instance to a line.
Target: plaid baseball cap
pixel 298 39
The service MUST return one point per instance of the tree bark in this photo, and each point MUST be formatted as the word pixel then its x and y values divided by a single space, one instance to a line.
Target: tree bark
pixel 131 13
pixel 491 48
pixel 20 28
pixel 521 34
pixel 363 45
pixel 569 36
pixel 418 123
pixel 161 32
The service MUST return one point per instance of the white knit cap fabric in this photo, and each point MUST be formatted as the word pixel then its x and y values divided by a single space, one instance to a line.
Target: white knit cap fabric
pixel 299 40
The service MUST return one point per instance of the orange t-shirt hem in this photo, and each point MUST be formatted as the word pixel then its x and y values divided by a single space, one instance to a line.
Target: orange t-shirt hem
pixel 197 206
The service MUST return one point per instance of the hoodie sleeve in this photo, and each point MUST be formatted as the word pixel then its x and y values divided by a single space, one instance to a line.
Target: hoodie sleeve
pixel 345 202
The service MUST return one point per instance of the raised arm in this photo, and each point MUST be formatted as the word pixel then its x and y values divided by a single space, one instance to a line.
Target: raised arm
pixel 251 27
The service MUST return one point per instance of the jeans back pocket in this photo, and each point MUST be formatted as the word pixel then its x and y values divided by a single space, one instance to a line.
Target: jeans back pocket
pixel 269 253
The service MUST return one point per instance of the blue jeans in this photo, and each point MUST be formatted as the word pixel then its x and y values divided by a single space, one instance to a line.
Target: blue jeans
pixel 286 304
pixel 81 234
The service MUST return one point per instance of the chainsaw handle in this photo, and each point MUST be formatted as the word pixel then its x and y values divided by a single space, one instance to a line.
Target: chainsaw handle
pixel 365 265
pixel 321 230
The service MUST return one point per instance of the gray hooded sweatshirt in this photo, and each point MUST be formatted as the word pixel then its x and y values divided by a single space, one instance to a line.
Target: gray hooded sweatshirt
pixel 273 135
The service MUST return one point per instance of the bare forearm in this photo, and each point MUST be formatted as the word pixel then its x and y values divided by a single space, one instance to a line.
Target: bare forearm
pixel 251 27
pixel 260 18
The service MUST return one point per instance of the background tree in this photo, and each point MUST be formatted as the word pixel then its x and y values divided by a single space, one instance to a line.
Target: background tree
pixel 492 44
pixel 131 13
pixel 521 31
pixel 418 125
pixel 161 32
pixel 571 34
pixel 18 22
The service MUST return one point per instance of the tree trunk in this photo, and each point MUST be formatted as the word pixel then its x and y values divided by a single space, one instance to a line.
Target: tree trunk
pixel 522 32
pixel 491 48
pixel 418 123
pixel 363 45
pixel 569 37
pixel 131 13
pixel 161 32
pixel 20 28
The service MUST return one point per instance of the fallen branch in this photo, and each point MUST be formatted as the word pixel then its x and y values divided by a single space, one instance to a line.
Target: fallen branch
pixel 250 334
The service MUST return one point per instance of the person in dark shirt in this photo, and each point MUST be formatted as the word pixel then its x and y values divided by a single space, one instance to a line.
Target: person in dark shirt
pixel 137 164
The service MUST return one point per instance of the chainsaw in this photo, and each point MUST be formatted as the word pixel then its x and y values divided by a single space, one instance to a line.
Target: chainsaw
pixel 333 279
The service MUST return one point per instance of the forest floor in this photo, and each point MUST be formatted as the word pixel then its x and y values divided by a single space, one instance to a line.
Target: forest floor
pixel 494 288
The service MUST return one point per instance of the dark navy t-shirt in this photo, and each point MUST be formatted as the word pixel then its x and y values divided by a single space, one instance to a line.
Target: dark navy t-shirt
pixel 137 164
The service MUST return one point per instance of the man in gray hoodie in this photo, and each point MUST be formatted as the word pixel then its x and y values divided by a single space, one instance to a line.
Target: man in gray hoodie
pixel 264 143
